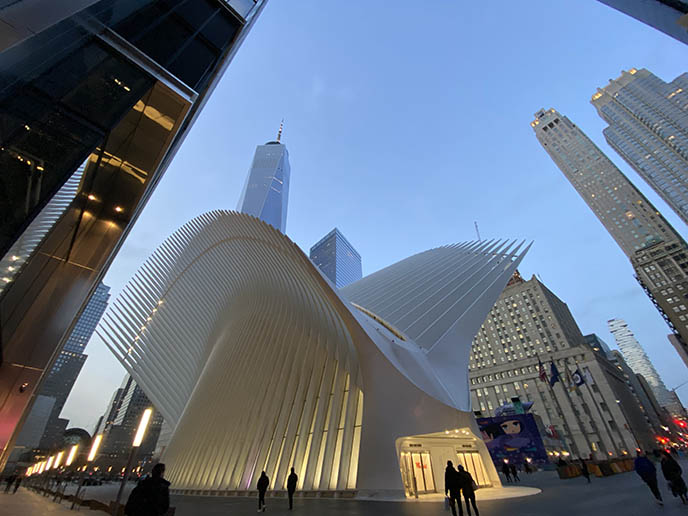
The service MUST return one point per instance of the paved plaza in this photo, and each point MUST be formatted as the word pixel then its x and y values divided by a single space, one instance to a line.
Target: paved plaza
pixel 624 493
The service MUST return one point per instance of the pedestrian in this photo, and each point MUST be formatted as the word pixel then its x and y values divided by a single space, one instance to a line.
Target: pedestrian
pixel 514 473
pixel 16 483
pixel 647 471
pixel 584 470
pixel 151 496
pixel 526 468
pixel 263 483
pixel 672 473
pixel 291 487
pixel 468 486
pixel 10 481
pixel 452 488
pixel 506 471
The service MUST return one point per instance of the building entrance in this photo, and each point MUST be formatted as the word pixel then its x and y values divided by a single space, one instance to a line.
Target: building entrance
pixel 472 463
pixel 423 459
pixel 416 471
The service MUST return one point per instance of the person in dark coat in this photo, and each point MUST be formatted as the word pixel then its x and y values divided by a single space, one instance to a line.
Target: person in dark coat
pixel 514 473
pixel 452 485
pixel 151 496
pixel 291 487
pixel 647 471
pixel 468 489
pixel 9 481
pixel 18 481
pixel 584 470
pixel 672 473
pixel 263 483
pixel 507 472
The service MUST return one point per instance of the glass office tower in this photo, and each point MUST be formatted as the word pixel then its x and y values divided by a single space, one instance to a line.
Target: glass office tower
pixel 648 127
pixel 266 191
pixel 115 84
pixel 337 259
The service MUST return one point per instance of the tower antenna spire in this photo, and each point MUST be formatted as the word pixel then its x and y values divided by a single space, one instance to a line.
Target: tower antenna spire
pixel 477 232
pixel 279 133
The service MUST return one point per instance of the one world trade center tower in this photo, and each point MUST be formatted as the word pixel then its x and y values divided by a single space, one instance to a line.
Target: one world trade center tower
pixel 266 192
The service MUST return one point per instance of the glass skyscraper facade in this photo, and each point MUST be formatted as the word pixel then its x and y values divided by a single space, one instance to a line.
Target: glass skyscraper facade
pixel 61 378
pixel 266 192
pixel 648 127
pixel 114 85
pixel 337 259
pixel 657 252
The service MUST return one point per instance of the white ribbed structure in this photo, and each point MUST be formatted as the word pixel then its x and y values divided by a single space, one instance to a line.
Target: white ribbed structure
pixel 245 347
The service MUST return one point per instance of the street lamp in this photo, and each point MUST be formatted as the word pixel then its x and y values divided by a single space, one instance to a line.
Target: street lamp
pixel 72 454
pixel 138 439
pixel 58 459
pixel 91 455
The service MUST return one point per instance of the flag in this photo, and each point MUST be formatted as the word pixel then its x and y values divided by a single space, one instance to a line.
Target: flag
pixel 541 371
pixel 578 377
pixel 553 374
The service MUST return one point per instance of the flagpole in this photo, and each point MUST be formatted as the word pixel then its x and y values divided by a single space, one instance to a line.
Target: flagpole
pixel 573 410
pixel 560 412
pixel 599 411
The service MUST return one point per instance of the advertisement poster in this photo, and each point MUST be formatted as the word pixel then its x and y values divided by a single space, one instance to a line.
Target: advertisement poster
pixel 514 437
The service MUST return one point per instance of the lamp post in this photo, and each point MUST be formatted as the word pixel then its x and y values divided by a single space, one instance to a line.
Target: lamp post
pixel 138 439
pixel 91 455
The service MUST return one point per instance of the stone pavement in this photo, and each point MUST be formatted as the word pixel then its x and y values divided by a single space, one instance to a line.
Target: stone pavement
pixel 625 494
pixel 29 503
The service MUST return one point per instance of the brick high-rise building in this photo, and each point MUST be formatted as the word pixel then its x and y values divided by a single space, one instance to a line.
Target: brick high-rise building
pixel 529 324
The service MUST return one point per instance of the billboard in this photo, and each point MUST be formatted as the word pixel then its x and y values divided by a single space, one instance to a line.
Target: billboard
pixel 515 437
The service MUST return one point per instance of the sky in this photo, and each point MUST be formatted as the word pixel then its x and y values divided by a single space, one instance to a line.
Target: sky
pixel 407 125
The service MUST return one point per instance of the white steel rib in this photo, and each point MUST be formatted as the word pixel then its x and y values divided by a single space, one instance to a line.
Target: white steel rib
pixel 260 364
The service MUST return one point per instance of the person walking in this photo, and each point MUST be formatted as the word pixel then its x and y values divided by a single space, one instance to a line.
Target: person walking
pixel 584 470
pixel 151 496
pixel 291 487
pixel 506 471
pixel 514 473
pixel 468 489
pixel 452 488
pixel 18 481
pixel 672 473
pixel 263 483
pixel 10 481
pixel 648 473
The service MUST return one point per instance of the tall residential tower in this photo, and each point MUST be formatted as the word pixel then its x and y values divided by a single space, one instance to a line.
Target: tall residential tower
pixel 648 127
pixel 337 259
pixel 657 252
pixel 637 359
pixel 266 192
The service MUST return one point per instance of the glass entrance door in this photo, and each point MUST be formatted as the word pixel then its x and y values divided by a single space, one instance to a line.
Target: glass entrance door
pixel 416 471
pixel 472 463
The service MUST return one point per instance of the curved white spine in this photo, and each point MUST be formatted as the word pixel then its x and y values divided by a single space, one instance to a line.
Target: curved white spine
pixel 259 364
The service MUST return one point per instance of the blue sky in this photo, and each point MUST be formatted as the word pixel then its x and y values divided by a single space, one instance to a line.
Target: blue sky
pixel 406 125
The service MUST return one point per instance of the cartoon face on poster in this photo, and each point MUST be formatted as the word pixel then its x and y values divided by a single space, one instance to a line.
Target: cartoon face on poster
pixel 514 437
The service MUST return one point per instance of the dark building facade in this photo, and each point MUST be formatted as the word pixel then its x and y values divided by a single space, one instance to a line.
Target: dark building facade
pixel 107 89
pixel 118 435
pixel 668 16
